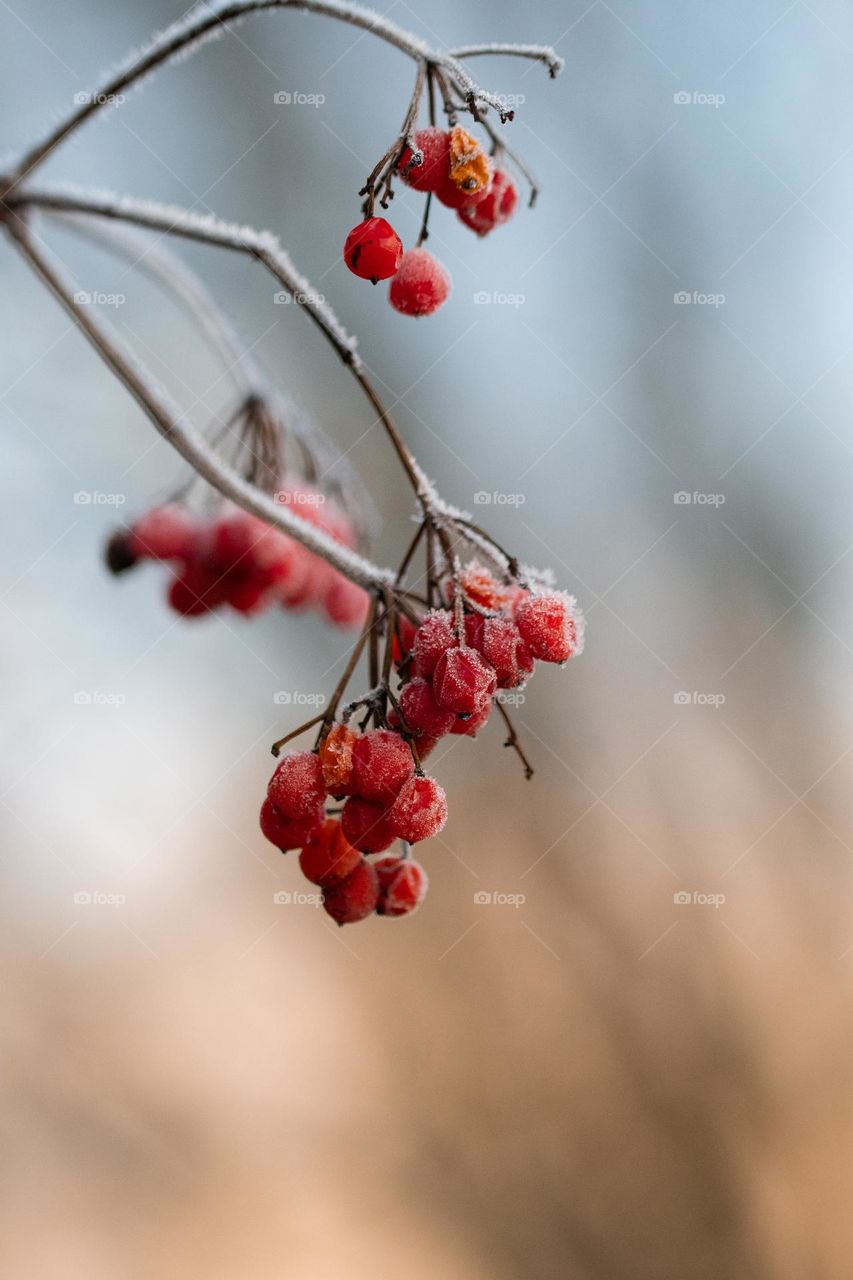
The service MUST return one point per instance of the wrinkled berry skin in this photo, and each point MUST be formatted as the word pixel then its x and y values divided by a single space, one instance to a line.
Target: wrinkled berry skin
pixel 373 250
pixel 336 759
pixel 463 682
pixel 328 857
pixel 421 285
pixel 420 810
pixel 403 885
pixel 491 208
pixel 354 898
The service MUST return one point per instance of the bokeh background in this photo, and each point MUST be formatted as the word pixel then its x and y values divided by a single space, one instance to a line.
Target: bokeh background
pixel 604 1079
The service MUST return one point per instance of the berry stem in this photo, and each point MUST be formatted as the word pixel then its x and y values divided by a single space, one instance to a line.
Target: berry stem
pixel 295 733
pixel 384 169
pixel 513 739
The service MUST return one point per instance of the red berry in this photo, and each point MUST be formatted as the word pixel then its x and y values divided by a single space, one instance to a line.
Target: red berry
pixel 296 787
pixel 474 623
pixel 420 286
pixel 421 712
pixel 354 898
pixel 328 856
pixel 482 587
pixel 505 651
pixel 373 250
pixel 382 762
pixel 288 833
pixel 164 533
pixel 435 170
pixel 196 590
pixel 420 810
pixel 434 636
pixel 366 825
pixel 403 886
pixel 336 759
pixel 470 726
pixel 491 208
pixel 345 603
pixel 462 681
pixel 550 625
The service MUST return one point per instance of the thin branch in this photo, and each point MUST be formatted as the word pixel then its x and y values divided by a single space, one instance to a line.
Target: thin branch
pixel 168 420
pixel 536 52
pixel 211 19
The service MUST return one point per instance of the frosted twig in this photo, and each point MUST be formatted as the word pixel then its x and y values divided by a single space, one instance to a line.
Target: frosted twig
pixel 189 443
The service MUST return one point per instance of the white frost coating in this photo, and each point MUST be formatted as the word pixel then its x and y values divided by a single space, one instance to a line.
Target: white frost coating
pixel 538 52
pixel 208 228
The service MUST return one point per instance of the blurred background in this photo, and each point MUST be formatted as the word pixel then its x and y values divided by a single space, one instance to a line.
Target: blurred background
pixel 634 1060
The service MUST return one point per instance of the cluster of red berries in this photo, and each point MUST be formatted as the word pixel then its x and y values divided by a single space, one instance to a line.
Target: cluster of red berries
pixel 385 799
pixel 233 558
pixel 457 171
pixel 451 666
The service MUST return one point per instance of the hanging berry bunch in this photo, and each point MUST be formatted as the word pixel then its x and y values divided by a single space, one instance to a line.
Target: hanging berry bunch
pixel 222 556
pixel 453 166
pixel 446 660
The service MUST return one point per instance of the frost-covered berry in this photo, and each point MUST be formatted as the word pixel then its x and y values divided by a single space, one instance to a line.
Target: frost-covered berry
pixel 366 825
pixel 164 533
pixel 373 250
pixel 470 726
pixel 403 885
pixel 354 898
pixel 336 759
pixel 420 810
pixel 491 208
pixel 434 636
pixel 505 651
pixel 481 586
pixel 328 856
pixel 550 625
pixel 462 681
pixel 420 286
pixel 288 833
pixel 435 169
pixel 297 787
pixel 421 712
pixel 382 762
